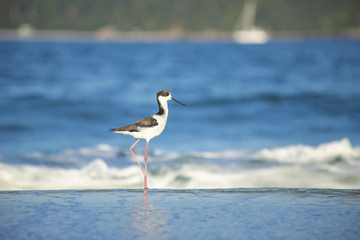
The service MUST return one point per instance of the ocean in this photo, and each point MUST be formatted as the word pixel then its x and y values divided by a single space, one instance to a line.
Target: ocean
pixel 281 114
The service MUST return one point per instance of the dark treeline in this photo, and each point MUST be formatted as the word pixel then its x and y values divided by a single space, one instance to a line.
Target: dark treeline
pixel 323 16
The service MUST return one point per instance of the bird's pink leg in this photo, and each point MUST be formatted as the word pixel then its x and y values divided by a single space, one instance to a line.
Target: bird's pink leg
pixel 131 150
pixel 145 198
pixel 145 159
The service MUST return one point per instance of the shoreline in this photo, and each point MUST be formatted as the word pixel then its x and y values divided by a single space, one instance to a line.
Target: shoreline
pixel 185 190
pixel 158 36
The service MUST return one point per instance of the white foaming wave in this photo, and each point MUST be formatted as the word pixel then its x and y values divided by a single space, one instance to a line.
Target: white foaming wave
pixel 325 153
pixel 161 155
pixel 331 165
pixel 103 150
pixel 341 150
pixel 96 175
pixel 193 176
pixel 71 157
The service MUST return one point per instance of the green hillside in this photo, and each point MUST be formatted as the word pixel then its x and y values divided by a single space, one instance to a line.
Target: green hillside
pixel 321 16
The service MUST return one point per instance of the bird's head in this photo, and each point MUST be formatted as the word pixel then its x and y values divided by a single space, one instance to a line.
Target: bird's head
pixel 166 95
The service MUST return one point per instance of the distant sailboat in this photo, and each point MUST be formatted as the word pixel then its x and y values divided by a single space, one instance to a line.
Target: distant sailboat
pixel 245 31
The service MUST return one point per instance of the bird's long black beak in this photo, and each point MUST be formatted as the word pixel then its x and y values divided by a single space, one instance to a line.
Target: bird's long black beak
pixel 177 101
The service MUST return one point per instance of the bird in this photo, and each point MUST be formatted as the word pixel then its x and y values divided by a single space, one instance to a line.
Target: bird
pixel 148 128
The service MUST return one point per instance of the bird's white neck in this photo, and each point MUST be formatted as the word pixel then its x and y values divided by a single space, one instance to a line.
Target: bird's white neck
pixel 163 106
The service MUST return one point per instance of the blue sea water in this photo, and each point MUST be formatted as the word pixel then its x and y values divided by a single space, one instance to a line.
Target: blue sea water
pixel 249 107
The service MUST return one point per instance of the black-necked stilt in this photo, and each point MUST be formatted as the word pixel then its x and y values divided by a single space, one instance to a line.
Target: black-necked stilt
pixel 148 128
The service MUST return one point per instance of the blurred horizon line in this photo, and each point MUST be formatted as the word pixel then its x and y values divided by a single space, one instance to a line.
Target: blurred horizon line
pixel 25 31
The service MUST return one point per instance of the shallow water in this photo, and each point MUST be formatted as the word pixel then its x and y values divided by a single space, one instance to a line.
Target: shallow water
pixel 267 213
pixel 283 114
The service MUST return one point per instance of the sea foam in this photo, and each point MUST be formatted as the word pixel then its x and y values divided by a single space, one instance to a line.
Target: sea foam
pixel 329 165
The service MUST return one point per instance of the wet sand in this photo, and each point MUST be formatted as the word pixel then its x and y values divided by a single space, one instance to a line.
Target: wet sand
pixel 262 213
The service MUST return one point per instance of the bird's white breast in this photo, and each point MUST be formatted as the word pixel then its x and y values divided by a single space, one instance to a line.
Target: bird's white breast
pixel 158 129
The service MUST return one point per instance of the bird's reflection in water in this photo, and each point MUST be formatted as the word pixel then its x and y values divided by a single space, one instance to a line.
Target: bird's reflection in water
pixel 150 222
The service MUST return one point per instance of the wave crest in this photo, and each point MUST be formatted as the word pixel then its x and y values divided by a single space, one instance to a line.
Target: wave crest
pixel 330 165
